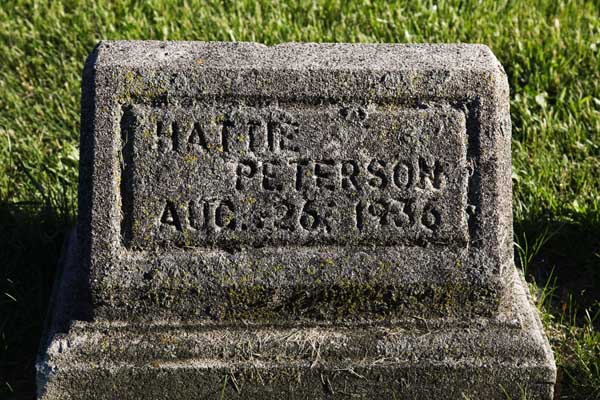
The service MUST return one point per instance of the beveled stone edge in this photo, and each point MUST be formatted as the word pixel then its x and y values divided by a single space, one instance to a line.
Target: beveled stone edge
pixel 58 354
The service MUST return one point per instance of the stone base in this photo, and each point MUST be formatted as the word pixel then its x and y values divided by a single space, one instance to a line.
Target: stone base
pixel 499 358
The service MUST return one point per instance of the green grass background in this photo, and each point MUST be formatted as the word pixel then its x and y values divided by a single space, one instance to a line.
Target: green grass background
pixel 549 48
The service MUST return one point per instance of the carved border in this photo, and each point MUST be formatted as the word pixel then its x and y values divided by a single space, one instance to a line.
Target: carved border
pixel 468 107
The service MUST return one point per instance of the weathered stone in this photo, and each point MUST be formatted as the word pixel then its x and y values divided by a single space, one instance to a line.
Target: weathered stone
pixel 506 356
pixel 321 181
pixel 303 220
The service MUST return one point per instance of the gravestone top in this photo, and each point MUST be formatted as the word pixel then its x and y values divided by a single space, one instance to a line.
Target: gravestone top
pixel 295 56
pixel 319 181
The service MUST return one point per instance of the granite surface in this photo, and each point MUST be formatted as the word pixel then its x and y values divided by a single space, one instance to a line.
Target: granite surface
pixel 505 356
pixel 298 221
pixel 332 181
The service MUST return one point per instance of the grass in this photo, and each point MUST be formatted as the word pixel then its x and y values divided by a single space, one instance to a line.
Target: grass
pixel 551 52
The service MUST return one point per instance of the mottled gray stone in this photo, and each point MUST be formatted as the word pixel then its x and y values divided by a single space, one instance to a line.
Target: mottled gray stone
pixel 500 357
pixel 302 220
pixel 227 180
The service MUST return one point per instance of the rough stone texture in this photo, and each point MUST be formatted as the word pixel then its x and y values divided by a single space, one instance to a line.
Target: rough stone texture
pixel 296 221
pixel 483 358
pixel 318 181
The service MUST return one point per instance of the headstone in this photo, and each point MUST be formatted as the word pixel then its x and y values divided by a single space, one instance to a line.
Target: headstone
pixel 296 221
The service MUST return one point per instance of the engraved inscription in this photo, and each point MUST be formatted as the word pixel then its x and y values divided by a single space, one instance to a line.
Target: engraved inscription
pixel 298 175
